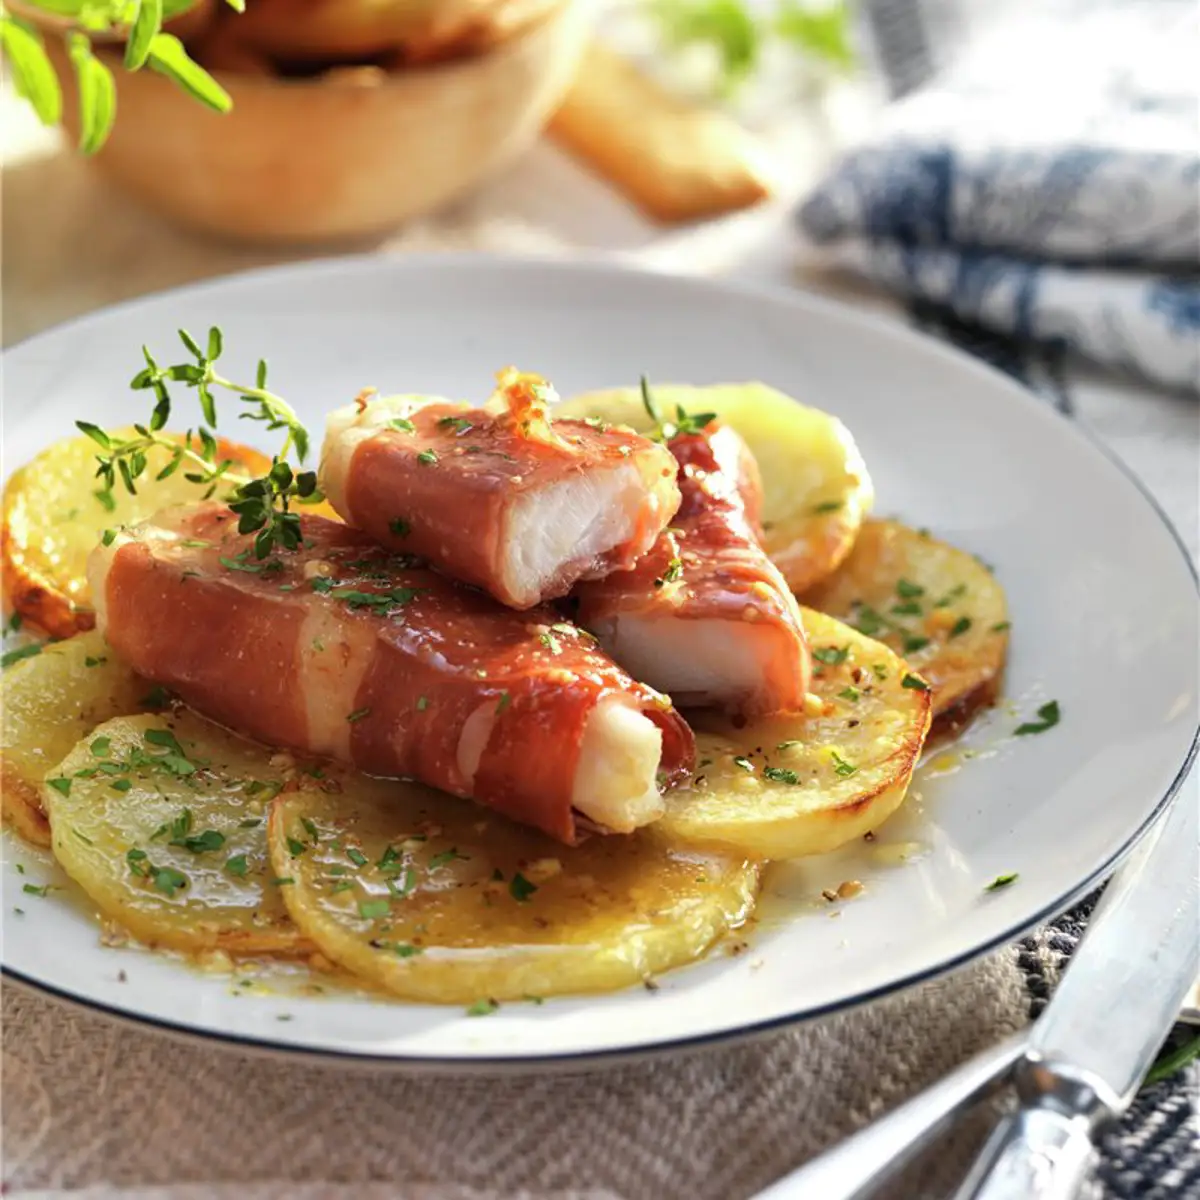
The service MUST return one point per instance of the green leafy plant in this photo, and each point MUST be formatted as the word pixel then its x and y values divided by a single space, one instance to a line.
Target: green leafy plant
pixel 147 44
pixel 264 505
pixel 739 31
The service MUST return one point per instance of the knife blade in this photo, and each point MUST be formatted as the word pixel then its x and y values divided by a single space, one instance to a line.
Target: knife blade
pixel 1091 1048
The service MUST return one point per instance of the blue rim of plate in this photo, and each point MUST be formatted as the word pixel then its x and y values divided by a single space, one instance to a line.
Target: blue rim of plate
pixel 518 1064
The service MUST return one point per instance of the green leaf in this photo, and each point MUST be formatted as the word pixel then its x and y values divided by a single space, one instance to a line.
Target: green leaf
pixel 95 433
pixel 168 57
pixel 726 25
pixel 97 95
pixel 208 405
pixel 215 344
pixel 32 75
pixel 1048 716
pixel 145 25
pixel 822 33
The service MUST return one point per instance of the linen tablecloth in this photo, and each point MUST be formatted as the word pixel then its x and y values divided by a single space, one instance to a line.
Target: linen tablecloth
pixel 93 1108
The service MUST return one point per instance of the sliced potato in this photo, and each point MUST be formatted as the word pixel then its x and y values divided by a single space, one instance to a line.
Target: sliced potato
pixel 161 820
pixel 438 900
pixel 791 786
pixel 939 607
pixel 55 512
pixel 816 489
pixel 50 702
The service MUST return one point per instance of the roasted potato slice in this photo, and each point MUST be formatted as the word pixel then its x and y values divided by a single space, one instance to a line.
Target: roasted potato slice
pixel 816 489
pixel 438 900
pixel 161 820
pixel 789 786
pixel 50 702
pixel 55 512
pixel 939 607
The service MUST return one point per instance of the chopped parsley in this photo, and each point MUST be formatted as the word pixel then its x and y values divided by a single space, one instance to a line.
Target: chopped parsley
pixel 955 593
pixel 840 766
pixel 908 590
pixel 1048 717
pixel 1001 881
pixel 167 880
pixel 400 527
pixel 201 843
pixel 427 458
pixel 867 621
pixel 458 424
pixel 674 571
pixel 1001 626
pixel 13 656
pixel 789 744
pixel 370 910
pixel 504 701
pixel 422 703
pixel 357 715
pixel 295 848
pixel 237 865
pixel 909 608
pixel 34 889
pixel 121 785
pixel 915 642
pixel 915 682
pixel 850 693
pixel 832 655
pixel 95 662
pixel 550 642
pixel 356 856
pixel 830 506
pixel 108 537
pixel 482 1008
pixel 520 888
pixel 311 829
pixel 406 950
pixel 60 785
pixel 781 775
pixel 960 626
pixel 742 761
pixel 445 858
pixel 880 671
pixel 402 425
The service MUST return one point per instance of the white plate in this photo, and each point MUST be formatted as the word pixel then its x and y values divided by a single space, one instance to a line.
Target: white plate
pixel 1103 599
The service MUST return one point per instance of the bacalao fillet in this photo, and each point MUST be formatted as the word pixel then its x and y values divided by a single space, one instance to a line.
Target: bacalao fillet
pixel 501 497
pixel 347 650
pixel 706 615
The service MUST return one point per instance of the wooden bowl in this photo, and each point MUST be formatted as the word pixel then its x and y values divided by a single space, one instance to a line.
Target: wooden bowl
pixel 342 155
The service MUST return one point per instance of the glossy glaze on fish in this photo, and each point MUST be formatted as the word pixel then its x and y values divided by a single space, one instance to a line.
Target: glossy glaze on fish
pixel 347 650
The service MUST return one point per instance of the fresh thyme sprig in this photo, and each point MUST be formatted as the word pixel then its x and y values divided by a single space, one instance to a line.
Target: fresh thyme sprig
pixel 684 421
pixel 263 505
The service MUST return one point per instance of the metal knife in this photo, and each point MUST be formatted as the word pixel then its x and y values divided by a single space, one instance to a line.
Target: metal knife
pixel 1091 1048
pixel 1078 1065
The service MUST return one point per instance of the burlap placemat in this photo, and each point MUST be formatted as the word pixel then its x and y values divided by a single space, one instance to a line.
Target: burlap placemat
pixel 91 1103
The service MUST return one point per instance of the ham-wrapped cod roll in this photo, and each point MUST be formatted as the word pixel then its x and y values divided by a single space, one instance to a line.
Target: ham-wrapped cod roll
pixel 706 615
pixel 344 649
pixel 500 497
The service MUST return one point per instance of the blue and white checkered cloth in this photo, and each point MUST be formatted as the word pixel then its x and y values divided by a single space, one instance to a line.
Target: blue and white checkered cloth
pixel 1048 187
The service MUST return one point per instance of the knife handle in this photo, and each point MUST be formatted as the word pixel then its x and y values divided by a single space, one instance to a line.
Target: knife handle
pixel 1044 1149
pixel 1033 1154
